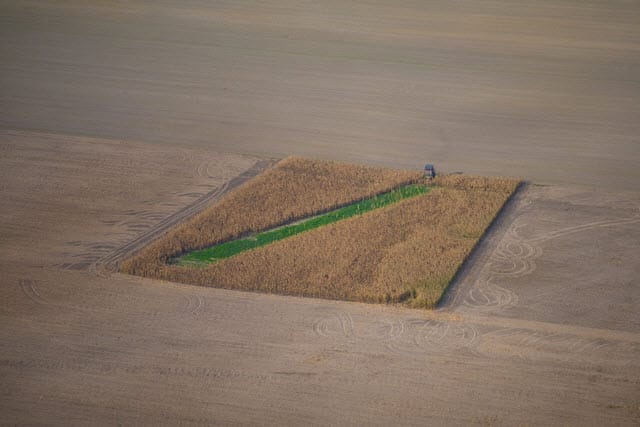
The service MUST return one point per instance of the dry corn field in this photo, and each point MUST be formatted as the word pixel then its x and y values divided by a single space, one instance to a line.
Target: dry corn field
pixel 293 189
pixel 123 120
pixel 405 253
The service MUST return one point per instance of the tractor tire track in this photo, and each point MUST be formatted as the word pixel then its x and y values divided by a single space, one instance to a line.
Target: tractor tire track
pixel 398 336
pixel 530 344
pixel 109 263
pixel 476 287
pixel 512 256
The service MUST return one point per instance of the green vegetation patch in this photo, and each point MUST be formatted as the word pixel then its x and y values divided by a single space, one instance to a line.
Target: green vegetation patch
pixel 229 249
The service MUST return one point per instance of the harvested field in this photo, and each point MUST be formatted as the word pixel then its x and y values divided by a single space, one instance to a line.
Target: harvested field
pixel 78 347
pixel 405 253
pixel 118 117
pixel 295 188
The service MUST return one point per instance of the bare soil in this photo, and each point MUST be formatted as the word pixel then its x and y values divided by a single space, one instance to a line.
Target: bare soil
pixel 407 252
pixel 543 90
pixel 532 331
pixel 294 188
pixel 545 328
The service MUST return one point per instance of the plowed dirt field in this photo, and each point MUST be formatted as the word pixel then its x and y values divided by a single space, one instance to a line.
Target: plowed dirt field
pixel 118 117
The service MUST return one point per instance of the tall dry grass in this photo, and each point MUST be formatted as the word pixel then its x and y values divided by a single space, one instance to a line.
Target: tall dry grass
pixel 407 252
pixel 293 189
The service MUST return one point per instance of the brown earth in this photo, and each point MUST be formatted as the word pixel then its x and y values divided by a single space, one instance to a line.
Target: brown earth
pixel 545 330
pixel 292 189
pixel 543 90
pixel 405 253
pixel 544 327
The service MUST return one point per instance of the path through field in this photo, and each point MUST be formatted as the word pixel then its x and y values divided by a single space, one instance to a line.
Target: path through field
pixel 545 329
pixel 117 115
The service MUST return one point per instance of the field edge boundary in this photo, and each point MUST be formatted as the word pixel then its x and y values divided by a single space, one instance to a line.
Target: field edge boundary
pixel 109 263
pixel 483 247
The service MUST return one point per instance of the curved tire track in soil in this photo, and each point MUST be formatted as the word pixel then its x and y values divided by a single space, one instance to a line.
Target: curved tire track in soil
pixel 401 336
pixel 467 279
pixel 530 345
pixel 512 256
pixel 584 227
pixel 340 325
pixel 509 340
pixel 109 263
pixel 433 336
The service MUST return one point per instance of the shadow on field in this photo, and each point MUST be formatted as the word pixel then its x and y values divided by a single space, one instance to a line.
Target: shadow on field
pixel 463 280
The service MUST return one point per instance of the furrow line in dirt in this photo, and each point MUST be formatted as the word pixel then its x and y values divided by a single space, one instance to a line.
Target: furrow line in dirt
pixel 110 261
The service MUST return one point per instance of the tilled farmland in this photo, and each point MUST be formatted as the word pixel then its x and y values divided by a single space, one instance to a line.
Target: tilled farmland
pixel 121 120
pixel 404 253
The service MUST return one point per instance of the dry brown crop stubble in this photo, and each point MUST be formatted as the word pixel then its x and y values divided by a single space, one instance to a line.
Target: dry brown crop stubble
pixel 407 252
pixel 295 188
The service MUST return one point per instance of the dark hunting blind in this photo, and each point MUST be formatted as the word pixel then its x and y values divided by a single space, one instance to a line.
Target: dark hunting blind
pixel 429 171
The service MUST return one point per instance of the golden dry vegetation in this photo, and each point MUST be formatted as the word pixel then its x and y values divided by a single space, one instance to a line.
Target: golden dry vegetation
pixel 293 189
pixel 407 252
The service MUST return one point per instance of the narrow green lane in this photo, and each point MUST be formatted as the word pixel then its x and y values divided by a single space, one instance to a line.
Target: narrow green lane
pixel 228 249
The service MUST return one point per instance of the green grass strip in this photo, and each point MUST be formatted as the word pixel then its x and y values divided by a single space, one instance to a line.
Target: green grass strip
pixel 229 249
